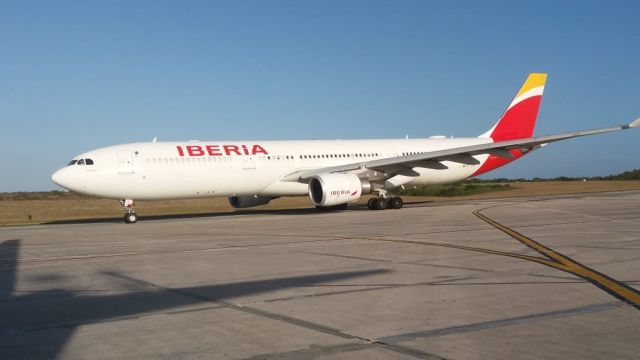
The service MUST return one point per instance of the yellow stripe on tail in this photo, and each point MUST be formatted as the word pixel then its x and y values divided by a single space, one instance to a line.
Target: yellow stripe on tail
pixel 533 81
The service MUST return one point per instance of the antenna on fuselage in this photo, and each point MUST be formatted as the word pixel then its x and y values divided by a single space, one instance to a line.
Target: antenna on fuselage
pixel 155 139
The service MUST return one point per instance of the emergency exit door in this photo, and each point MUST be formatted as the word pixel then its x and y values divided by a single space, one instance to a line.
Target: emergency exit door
pixel 248 163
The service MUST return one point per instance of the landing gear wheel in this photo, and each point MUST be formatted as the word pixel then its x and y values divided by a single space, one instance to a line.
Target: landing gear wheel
pixel 396 203
pixel 371 204
pixel 130 218
pixel 381 204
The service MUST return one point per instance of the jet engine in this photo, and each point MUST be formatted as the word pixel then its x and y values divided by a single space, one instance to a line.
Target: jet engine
pixel 240 202
pixel 334 189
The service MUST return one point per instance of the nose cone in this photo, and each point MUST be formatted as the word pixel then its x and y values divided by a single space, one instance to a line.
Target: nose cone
pixel 60 177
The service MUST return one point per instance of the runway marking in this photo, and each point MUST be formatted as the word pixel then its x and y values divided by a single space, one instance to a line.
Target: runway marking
pixel 551 259
pixel 564 263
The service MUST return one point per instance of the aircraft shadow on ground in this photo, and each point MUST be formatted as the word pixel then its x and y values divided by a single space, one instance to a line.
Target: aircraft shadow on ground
pixel 38 324
pixel 299 212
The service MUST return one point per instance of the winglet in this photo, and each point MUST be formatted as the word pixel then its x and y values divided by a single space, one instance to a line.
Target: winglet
pixel 635 123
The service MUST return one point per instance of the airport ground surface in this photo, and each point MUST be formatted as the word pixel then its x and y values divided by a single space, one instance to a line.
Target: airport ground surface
pixel 44 209
pixel 430 281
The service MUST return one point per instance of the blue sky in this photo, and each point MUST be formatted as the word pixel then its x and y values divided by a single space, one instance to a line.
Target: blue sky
pixel 77 75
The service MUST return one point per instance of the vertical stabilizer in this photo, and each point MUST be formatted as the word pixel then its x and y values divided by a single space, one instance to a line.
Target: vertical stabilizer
pixel 519 120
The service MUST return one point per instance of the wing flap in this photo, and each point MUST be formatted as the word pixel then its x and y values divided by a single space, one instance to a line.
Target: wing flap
pixel 502 153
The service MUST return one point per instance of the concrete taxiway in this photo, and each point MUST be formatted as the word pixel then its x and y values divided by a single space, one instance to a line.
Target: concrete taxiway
pixel 532 278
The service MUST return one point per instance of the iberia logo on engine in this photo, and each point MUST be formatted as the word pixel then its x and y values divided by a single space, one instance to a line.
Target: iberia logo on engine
pixel 342 192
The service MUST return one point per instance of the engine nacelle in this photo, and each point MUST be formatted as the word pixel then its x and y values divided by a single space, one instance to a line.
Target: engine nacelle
pixel 240 202
pixel 335 189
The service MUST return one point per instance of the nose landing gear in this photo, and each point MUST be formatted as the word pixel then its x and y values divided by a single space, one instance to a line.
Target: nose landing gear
pixel 130 217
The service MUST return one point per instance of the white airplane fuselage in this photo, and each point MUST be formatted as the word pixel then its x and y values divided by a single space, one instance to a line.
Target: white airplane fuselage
pixel 168 170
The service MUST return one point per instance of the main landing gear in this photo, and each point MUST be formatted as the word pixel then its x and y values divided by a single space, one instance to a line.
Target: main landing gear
pixel 382 203
pixel 130 217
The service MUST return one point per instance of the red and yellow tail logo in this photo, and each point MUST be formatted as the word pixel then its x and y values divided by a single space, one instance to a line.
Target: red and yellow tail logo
pixel 520 118
pixel 517 122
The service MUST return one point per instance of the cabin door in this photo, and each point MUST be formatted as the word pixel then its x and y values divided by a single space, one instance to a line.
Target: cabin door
pixel 125 162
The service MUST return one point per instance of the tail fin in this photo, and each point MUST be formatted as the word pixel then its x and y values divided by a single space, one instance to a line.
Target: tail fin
pixel 520 118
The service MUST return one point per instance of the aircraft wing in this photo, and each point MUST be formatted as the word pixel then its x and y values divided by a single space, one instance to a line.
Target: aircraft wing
pixel 462 154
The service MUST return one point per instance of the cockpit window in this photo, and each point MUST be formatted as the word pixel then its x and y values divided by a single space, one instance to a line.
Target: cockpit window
pixel 81 162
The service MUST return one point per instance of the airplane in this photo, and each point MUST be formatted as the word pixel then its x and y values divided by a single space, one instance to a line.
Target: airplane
pixel 332 173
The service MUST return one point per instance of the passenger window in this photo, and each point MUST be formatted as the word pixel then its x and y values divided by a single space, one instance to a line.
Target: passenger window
pixel 88 161
pixel 80 162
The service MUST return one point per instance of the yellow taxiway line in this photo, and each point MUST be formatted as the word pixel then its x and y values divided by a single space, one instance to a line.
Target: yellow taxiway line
pixel 550 258
pixel 562 262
